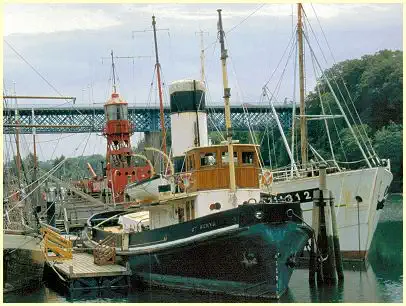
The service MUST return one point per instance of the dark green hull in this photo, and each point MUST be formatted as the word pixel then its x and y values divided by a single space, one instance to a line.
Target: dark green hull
pixel 248 251
pixel 256 261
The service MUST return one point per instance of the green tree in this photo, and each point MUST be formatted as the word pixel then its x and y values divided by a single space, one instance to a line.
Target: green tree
pixel 374 83
pixel 389 144
pixel 349 150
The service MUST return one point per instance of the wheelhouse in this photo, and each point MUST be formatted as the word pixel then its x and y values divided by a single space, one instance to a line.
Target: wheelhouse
pixel 209 167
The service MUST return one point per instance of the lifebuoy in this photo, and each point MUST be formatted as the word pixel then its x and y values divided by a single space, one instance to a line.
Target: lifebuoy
pixel 267 178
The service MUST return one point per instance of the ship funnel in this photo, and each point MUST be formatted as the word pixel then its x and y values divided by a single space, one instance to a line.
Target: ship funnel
pixel 188 116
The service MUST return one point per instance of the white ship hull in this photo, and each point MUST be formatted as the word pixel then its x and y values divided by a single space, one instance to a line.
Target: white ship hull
pixel 370 184
pixel 147 190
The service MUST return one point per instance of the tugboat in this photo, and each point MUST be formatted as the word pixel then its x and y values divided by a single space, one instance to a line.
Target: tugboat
pixel 208 231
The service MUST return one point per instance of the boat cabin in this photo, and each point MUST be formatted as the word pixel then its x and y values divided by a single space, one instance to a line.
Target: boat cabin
pixel 209 167
pixel 207 191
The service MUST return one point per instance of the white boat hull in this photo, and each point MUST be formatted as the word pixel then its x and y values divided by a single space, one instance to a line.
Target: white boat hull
pixel 148 190
pixel 370 184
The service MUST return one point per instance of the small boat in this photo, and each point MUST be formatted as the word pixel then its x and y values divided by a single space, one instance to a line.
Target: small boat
pixel 149 189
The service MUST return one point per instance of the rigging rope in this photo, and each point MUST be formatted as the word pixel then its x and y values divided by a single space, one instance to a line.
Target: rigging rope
pixel 29 193
pixel 234 27
pixel 345 86
pixel 274 151
pixel 339 105
pixel 293 106
pixel 44 141
pixel 210 101
pixel 370 147
pixel 245 110
pixel 269 149
pixel 323 112
pixel 283 55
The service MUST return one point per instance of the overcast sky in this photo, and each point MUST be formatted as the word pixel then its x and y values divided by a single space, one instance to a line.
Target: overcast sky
pixel 66 44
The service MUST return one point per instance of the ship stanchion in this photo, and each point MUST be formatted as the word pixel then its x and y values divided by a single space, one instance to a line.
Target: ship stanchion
pixel 337 251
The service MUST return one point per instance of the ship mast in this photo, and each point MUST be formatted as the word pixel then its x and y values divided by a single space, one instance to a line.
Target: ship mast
pixel 18 160
pixel 227 104
pixel 17 139
pixel 161 105
pixel 303 125
pixel 34 175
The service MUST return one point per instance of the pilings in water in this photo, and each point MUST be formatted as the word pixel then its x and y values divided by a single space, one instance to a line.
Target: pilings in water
pixel 325 244
pixel 336 239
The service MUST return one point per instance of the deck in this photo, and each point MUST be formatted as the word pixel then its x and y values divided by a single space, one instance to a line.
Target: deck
pixel 82 266
pixel 81 274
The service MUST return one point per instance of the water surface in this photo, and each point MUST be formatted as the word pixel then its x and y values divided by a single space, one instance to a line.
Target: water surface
pixel 381 281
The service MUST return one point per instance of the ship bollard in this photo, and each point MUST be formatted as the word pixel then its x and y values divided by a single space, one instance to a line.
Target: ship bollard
pixel 337 251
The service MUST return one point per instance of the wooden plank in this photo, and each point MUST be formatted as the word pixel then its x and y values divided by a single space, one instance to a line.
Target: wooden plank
pixel 83 267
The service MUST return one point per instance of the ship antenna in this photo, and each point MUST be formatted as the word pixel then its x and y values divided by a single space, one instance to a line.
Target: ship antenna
pixel 227 104
pixel 202 56
pixel 114 73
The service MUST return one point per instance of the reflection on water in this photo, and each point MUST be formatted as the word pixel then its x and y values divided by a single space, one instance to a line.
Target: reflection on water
pixel 381 281
pixel 359 286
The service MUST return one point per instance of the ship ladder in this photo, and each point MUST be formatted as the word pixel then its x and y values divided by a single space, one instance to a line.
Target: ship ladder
pixel 56 247
pixel 105 252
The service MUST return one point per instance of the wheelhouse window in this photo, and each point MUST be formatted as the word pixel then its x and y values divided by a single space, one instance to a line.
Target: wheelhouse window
pixel 208 159
pixel 247 157
pixel 225 159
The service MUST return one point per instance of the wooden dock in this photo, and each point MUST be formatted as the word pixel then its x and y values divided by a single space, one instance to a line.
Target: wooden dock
pixel 81 273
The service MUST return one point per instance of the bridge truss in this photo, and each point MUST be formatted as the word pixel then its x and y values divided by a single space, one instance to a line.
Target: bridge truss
pixel 81 119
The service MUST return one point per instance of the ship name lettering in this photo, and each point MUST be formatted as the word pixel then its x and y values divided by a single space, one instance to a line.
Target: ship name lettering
pixel 207 225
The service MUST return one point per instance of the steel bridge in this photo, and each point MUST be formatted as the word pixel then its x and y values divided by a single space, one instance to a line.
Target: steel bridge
pixel 85 119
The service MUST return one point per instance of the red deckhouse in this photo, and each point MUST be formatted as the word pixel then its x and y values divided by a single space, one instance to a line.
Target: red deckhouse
pixel 119 161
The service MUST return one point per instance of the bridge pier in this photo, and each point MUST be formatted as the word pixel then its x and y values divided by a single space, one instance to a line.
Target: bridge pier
pixel 153 139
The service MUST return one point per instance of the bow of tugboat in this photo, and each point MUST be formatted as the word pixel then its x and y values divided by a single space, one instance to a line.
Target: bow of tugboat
pixel 248 251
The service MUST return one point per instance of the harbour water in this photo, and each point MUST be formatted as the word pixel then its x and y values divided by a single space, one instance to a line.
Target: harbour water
pixel 381 281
